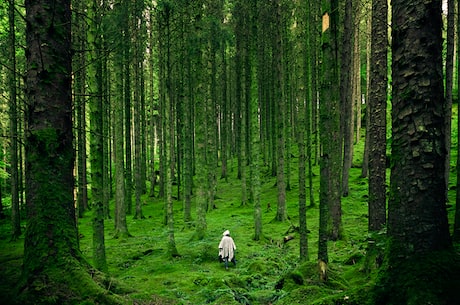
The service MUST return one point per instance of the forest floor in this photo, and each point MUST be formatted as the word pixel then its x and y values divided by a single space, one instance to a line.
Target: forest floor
pixel 267 271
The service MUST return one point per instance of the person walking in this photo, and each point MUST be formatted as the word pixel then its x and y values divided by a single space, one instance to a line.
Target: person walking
pixel 227 249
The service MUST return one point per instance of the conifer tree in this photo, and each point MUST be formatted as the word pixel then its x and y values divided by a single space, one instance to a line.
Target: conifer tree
pixel 330 225
pixel 96 135
pixel 51 248
pixel 14 132
pixel 418 230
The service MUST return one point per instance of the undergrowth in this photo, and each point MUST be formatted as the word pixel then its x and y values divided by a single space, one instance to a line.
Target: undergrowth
pixel 268 271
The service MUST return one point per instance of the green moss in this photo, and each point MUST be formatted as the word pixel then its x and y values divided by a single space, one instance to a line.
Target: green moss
pixel 421 279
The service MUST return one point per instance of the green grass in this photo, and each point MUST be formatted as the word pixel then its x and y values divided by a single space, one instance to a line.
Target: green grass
pixel 268 271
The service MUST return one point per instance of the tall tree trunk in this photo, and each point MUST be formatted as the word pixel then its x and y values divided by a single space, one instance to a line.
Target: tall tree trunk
pixel 214 13
pixel 254 129
pixel 315 60
pixel 121 226
pixel 346 94
pixel 449 85
pixel 188 83
pixel 138 124
pixel 127 95
pixel 330 163
pixel 13 113
pixel 151 117
pixel 52 258
pixel 96 138
pixel 80 40
pixel 331 158
pixel 225 117
pixel 280 100
pixel 417 125
pixel 311 97
pixel 418 230
pixel 456 233
pixel 107 193
pixel 376 131
pixel 365 164
pixel 200 134
pixel 377 104
pixel 356 72
pixel 169 144
pixel 301 90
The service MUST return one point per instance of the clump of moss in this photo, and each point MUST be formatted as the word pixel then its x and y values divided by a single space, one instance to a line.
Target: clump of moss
pixel 423 279
pixel 66 285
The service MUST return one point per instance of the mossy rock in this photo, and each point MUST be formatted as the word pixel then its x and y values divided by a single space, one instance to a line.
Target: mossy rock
pixel 264 266
pixel 205 252
pixel 225 299
pixel 257 266
pixel 234 281
pixel 302 295
pixel 266 296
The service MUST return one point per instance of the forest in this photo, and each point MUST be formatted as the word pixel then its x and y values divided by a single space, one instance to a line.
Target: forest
pixel 323 135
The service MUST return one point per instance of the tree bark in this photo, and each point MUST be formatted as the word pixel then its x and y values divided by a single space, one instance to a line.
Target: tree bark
pixel 449 72
pixel 420 257
pixel 13 117
pixel 331 141
pixel 96 136
pixel 456 233
pixel 346 94
pixel 121 226
pixel 52 258
pixel 377 104
pixel 281 212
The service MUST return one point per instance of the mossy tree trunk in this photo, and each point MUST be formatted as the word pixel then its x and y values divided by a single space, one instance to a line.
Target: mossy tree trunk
pixel 126 45
pixel 377 104
pixel 449 72
pixel 96 135
pixel 239 61
pixel 54 270
pixel 151 44
pixel 456 233
pixel 421 266
pixel 331 141
pixel 330 163
pixel 418 120
pixel 200 96
pixel 188 130
pixel 365 163
pixel 356 72
pixel 138 63
pixel 214 14
pixel 242 74
pixel 301 69
pixel 311 95
pixel 13 132
pixel 80 43
pixel 346 90
pixel 315 60
pixel 376 132
pixel 280 109
pixel 225 131
pixel 254 130
pixel 287 61
pixel 107 147
pixel 121 226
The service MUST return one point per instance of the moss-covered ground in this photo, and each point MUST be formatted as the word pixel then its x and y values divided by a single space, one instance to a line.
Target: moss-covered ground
pixel 267 271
